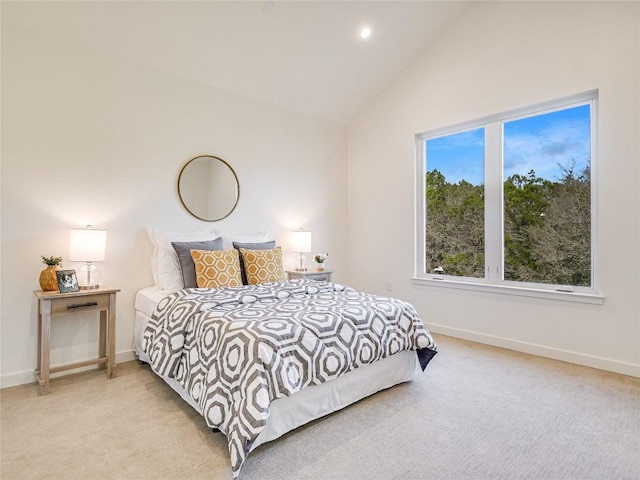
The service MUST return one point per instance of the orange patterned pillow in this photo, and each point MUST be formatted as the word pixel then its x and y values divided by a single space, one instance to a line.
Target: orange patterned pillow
pixel 263 266
pixel 217 268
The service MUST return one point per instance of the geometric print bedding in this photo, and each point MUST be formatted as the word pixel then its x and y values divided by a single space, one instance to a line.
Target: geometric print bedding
pixel 235 350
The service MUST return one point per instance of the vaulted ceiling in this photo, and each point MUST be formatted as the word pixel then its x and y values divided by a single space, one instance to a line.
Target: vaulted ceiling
pixel 306 56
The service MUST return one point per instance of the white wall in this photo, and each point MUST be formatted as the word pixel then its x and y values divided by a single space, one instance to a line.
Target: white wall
pixel 90 139
pixel 499 56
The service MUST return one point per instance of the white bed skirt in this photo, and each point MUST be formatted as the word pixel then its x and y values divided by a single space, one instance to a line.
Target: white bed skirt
pixel 312 402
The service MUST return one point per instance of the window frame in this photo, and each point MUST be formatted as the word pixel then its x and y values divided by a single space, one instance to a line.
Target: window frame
pixel 493 280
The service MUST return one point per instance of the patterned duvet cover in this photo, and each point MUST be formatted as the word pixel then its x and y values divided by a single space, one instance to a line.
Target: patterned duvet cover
pixel 234 350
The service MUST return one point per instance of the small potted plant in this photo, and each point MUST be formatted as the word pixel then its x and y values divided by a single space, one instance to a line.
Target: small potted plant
pixel 48 279
pixel 320 258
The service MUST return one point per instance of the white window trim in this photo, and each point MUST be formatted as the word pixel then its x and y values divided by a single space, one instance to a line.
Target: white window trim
pixel 503 289
pixel 492 282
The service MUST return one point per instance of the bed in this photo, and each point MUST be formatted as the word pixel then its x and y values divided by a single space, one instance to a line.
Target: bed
pixel 257 361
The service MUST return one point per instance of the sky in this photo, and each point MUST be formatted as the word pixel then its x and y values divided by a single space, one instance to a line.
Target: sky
pixel 538 143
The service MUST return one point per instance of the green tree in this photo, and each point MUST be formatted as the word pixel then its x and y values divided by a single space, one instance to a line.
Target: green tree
pixel 547 227
pixel 455 226
pixel 525 202
pixel 562 244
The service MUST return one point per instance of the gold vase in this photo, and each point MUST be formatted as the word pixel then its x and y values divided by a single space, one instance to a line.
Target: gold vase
pixel 48 279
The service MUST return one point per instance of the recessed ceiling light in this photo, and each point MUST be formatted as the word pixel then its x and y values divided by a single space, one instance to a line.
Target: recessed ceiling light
pixel 365 32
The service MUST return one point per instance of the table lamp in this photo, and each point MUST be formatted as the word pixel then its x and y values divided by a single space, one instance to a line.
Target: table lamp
pixel 301 243
pixel 87 245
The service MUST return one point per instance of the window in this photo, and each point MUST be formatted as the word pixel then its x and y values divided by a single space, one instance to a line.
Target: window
pixel 506 200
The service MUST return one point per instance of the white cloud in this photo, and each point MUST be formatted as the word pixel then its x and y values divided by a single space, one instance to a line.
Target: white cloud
pixel 557 144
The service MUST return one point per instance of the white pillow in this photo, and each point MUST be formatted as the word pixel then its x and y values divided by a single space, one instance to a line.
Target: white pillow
pixel 258 237
pixel 165 265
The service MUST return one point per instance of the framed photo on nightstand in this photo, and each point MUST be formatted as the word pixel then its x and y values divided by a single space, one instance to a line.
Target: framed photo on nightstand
pixel 67 281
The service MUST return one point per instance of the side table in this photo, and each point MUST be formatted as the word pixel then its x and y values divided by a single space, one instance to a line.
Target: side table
pixel 54 304
pixel 324 275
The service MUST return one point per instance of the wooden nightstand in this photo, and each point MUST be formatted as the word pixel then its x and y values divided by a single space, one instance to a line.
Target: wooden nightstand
pixel 54 304
pixel 324 275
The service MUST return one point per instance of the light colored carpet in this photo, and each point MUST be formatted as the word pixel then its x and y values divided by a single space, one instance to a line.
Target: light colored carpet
pixel 477 412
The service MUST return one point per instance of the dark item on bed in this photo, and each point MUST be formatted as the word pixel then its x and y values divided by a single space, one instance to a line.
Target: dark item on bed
pixel 183 249
pixel 235 350
pixel 67 281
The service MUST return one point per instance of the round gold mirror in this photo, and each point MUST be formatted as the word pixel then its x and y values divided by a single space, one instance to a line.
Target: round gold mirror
pixel 208 188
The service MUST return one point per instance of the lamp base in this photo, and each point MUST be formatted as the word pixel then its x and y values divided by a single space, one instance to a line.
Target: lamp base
pixel 301 263
pixel 89 277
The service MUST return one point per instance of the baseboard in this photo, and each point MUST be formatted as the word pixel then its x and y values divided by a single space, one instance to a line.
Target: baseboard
pixel 29 376
pixel 22 378
pixel 540 350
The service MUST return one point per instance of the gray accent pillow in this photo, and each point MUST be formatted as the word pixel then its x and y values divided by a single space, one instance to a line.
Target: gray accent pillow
pixel 251 246
pixel 183 249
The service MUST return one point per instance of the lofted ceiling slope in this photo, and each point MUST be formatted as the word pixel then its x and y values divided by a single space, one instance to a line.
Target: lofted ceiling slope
pixel 305 56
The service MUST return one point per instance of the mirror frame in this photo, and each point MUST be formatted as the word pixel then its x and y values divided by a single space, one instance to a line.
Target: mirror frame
pixel 213 157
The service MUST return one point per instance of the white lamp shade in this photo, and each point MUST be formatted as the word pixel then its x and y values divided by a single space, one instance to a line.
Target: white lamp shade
pixel 87 245
pixel 301 241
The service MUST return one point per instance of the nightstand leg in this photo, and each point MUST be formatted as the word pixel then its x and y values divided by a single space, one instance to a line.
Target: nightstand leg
pixel 44 337
pixel 102 340
pixel 38 363
pixel 111 335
